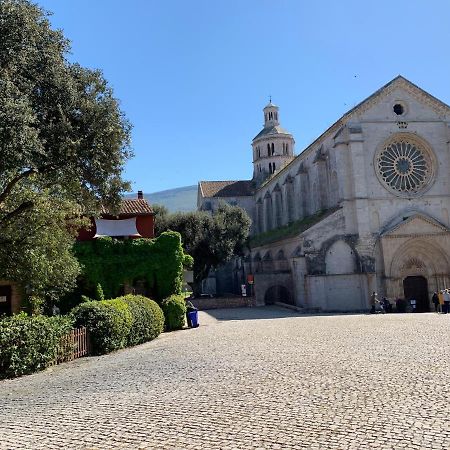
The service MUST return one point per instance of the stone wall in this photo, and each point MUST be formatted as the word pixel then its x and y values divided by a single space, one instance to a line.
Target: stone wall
pixel 223 302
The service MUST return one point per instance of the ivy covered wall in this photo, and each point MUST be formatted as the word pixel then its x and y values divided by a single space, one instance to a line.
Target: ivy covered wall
pixel 114 263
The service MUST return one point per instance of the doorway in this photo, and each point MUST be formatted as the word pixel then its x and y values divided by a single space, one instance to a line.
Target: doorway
pixel 278 294
pixel 417 288
pixel 5 300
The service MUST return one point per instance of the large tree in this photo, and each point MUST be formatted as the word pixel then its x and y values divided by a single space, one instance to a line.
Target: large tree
pixel 211 240
pixel 63 144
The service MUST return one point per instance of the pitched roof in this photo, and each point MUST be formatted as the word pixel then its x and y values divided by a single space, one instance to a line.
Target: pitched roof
pixel 399 81
pixel 272 131
pixel 134 207
pixel 240 188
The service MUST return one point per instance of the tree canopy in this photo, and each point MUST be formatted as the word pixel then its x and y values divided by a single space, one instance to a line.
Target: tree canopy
pixel 63 144
pixel 211 240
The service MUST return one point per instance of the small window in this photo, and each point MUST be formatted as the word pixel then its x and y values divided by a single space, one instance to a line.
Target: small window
pixel 268 149
pixel 273 165
pixel 287 149
pixel 273 149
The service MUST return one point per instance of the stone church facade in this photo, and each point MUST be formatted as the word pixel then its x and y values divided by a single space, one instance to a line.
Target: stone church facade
pixel 364 208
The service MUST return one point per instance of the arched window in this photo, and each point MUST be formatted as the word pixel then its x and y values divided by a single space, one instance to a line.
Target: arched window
pixel 265 117
pixel 276 116
pixel 273 168
pixel 268 149
pixel 287 148
pixel 273 149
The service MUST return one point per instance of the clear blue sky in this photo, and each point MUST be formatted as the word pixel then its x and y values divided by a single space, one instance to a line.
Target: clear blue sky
pixel 193 76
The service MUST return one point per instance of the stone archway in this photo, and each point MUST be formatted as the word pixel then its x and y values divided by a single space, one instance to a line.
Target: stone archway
pixel 416 287
pixel 415 271
pixel 278 294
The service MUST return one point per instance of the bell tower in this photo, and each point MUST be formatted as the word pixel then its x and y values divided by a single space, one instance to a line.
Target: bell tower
pixel 273 146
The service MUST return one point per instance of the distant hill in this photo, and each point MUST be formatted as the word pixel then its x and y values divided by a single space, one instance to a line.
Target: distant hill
pixel 181 199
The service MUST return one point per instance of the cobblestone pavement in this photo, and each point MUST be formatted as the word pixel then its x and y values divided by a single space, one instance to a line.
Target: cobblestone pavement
pixel 275 380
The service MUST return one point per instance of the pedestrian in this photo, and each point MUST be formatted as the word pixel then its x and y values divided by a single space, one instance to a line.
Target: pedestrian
pixel 446 295
pixel 441 300
pixel 435 300
pixel 386 305
pixel 373 302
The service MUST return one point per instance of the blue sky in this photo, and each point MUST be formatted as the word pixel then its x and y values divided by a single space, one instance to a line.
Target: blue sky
pixel 193 76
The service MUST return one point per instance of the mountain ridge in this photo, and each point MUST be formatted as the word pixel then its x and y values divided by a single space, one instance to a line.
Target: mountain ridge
pixel 181 199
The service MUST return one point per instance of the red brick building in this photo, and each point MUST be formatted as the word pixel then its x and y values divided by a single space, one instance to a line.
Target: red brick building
pixel 135 220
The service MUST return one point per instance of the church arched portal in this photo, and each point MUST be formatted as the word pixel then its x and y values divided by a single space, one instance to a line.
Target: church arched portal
pixel 278 294
pixel 416 287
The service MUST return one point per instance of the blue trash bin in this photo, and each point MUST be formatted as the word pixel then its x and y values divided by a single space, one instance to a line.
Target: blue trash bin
pixel 193 317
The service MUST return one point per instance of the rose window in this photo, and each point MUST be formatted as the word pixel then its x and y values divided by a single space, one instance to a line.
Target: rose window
pixel 404 166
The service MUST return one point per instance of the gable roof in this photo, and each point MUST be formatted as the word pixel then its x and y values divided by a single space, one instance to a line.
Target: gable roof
pixel 398 82
pixel 239 188
pixel 402 222
pixel 132 207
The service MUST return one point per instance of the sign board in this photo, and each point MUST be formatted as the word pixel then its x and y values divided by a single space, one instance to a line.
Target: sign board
pixel 250 279
pixel 244 290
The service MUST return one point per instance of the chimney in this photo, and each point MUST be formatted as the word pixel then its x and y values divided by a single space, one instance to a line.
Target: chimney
pixel 140 195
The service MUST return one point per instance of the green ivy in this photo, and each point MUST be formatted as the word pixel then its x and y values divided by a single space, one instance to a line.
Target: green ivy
pixel 111 263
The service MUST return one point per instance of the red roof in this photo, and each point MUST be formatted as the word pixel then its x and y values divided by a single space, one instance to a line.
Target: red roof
pixel 132 207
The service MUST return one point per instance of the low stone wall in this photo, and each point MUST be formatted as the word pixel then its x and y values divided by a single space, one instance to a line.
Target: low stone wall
pixel 223 302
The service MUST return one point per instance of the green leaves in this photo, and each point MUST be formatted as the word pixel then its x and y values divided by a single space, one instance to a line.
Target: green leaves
pixel 210 239
pixel 112 263
pixel 117 323
pixel 28 344
pixel 63 144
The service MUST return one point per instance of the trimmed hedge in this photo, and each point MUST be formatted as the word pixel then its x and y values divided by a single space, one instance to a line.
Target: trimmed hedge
pixel 30 343
pixel 174 308
pixel 148 319
pixel 117 323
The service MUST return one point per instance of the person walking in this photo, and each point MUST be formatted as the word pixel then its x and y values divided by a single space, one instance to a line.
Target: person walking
pixel 373 302
pixel 441 300
pixel 435 300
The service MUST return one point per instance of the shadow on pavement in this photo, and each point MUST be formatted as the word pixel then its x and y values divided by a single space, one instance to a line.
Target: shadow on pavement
pixel 254 313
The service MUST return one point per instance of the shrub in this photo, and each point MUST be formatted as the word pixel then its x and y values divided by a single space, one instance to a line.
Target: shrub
pixel 121 322
pixel 108 322
pixel 30 343
pixel 174 308
pixel 148 319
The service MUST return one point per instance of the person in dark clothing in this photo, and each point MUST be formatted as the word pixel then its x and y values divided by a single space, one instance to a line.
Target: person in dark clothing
pixel 386 305
pixel 435 300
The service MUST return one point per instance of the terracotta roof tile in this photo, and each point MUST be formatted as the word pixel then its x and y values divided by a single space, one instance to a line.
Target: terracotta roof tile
pixel 133 207
pixel 240 188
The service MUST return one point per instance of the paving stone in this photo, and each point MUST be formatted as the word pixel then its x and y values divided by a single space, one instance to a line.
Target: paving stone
pixel 257 378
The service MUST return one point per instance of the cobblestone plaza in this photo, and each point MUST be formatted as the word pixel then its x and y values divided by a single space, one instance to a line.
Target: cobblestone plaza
pixel 248 378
